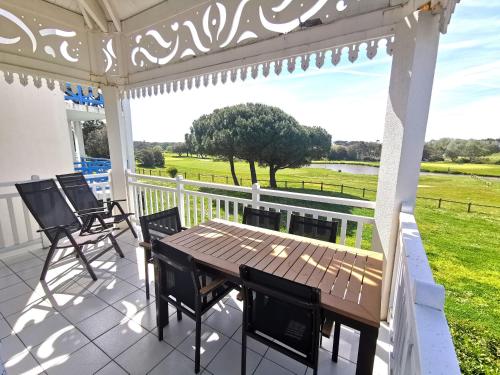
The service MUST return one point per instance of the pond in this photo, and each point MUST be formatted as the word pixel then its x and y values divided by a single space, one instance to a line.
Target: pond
pixel 348 168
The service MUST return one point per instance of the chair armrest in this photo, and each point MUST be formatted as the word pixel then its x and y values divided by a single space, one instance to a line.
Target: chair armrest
pixel 54 227
pixel 214 284
pixel 91 210
pixel 146 245
pixel 116 200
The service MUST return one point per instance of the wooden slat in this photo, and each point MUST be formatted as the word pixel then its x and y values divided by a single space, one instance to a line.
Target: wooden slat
pixel 263 251
pixel 321 268
pixel 340 286
pixel 244 255
pixel 277 261
pixel 370 298
pixel 204 237
pixel 276 251
pixel 301 261
pixel 331 273
pixel 184 235
pixel 251 241
pixel 290 260
pixel 311 265
pixel 229 240
pixel 354 287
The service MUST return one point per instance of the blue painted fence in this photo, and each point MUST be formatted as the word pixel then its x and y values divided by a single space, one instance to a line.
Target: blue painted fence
pixel 93 166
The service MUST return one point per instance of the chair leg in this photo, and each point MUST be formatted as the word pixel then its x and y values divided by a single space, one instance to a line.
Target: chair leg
pixel 146 275
pixel 336 342
pixel 243 353
pixel 50 254
pixel 197 344
pixel 134 233
pixel 86 263
pixel 116 246
pixel 179 314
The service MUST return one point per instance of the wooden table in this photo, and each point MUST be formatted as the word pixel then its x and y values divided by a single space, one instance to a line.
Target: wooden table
pixel 350 279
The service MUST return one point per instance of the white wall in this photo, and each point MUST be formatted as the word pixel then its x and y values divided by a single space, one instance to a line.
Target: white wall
pixel 34 137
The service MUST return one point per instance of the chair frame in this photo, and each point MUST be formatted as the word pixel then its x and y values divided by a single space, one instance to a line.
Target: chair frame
pixel 146 244
pixel 276 215
pixel 319 223
pixel 314 308
pixel 101 206
pixel 67 230
pixel 201 293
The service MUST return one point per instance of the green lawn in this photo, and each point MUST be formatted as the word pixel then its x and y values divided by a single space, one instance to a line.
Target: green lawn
pixel 463 248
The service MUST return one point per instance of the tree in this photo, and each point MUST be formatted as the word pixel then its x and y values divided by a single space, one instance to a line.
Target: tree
pixel 179 148
pixel 146 158
pixel 159 159
pixel 189 143
pixel 338 153
pixel 95 138
pixel 454 149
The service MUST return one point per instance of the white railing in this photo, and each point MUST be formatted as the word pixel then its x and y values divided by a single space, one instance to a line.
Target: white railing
pixel 17 226
pixel 196 206
pixel 421 338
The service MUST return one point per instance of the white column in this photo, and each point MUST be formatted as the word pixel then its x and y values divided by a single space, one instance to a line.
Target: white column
pixel 412 75
pixel 79 139
pixel 121 147
pixel 72 141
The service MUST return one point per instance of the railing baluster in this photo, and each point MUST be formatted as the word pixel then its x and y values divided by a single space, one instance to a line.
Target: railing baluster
pixel 162 194
pixel 195 209
pixel 151 200
pixel 226 209
pixel 210 206
pixel 156 199
pixel 202 209
pixel 12 219
pixel 235 212
pixel 343 231
pixel 168 199
pixel 188 210
pixel 27 222
pixel 217 208
pixel 141 205
pixel 288 219
pixel 359 234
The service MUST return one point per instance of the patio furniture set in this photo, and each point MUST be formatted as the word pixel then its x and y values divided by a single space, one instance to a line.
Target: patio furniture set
pixel 296 287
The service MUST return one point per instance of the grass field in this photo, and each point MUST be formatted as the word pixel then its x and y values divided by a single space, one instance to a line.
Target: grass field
pixel 463 248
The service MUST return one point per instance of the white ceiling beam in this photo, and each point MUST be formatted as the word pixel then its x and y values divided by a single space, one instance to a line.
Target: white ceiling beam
pixel 95 12
pixel 86 17
pixel 112 13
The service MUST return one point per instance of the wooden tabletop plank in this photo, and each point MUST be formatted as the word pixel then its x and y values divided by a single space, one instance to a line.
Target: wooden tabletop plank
pixel 291 258
pixel 303 276
pixel 356 278
pixel 321 268
pixel 328 280
pixel 349 279
pixel 340 286
pixel 278 251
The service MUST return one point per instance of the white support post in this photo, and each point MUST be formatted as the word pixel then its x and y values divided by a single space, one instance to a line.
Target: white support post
pixel 80 145
pixel 121 146
pixel 72 141
pixel 180 197
pixel 412 75
pixel 255 195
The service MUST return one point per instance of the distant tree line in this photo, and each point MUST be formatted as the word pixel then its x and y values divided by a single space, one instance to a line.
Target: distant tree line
pixel 151 157
pixel 258 134
pixel 460 150
pixel 95 139
pixel 355 150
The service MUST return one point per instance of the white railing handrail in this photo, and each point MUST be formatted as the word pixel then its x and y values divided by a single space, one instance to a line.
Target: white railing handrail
pixel 422 339
pixel 268 192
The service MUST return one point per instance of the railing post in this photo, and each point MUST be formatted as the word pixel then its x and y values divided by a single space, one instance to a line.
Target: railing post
pixel 255 195
pixel 180 197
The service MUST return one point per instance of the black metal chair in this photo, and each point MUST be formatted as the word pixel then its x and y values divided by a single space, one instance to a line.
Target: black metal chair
pixel 180 281
pixel 313 228
pixel 61 225
pixel 82 198
pixel 155 227
pixel 282 314
pixel 262 218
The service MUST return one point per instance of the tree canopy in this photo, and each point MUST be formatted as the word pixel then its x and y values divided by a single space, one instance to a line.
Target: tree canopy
pixel 260 134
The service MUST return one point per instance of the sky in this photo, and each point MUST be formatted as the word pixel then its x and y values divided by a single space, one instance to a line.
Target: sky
pixel 349 100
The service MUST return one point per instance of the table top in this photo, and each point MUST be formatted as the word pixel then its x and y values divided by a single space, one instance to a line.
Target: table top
pixel 350 279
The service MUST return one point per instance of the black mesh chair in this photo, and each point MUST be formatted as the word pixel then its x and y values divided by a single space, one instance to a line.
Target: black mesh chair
pixel 82 198
pixel 313 228
pixel 155 227
pixel 282 314
pixel 261 218
pixel 180 281
pixel 61 225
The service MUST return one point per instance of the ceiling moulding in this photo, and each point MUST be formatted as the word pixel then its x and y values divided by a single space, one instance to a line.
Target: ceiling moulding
pixel 351 51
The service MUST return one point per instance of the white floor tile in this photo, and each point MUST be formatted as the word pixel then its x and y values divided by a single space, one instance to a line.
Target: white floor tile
pixel 228 360
pixel 226 321
pixel 101 322
pixel 145 354
pixel 111 369
pixel 211 342
pixel 17 359
pixel 132 303
pixel 175 363
pixel 266 367
pixel 37 333
pixel 120 338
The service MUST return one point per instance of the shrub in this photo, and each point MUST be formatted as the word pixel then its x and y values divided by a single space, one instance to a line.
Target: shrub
pixel 172 172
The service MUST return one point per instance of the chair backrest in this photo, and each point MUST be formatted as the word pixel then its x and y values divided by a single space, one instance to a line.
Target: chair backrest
pixel 48 206
pixel 314 228
pixel 179 276
pixel 282 310
pixel 161 224
pixel 262 218
pixel 78 191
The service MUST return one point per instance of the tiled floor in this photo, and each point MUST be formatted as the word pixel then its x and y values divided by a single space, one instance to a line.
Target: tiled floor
pixel 72 325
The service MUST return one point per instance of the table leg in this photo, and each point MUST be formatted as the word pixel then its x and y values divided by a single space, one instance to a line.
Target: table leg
pixel 366 352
